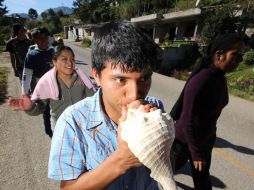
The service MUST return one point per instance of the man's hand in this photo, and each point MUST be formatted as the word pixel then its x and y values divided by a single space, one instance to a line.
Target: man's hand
pixel 142 105
pixel 126 158
pixel 199 165
pixel 20 104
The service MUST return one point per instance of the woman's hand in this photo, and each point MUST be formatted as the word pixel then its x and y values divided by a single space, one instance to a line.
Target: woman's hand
pixel 20 104
pixel 199 165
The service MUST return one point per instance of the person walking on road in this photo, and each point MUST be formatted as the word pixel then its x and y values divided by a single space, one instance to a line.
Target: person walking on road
pixel 18 47
pixel 60 87
pixel 199 106
pixel 87 151
pixel 38 61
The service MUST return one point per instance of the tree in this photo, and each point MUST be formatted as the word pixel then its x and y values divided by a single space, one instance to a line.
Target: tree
pixel 5 23
pixel 30 24
pixel 60 13
pixel 44 15
pixel 129 9
pixel 3 8
pixel 32 13
pixel 218 19
pixel 84 10
pixel 52 21
pixel 67 20
pixel 95 11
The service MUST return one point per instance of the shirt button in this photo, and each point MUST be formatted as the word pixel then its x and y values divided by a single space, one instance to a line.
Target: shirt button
pixel 126 187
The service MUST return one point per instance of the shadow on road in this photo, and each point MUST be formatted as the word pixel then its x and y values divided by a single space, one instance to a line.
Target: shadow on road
pixel 185 170
pixel 80 62
pixel 222 143
pixel 216 182
pixel 183 186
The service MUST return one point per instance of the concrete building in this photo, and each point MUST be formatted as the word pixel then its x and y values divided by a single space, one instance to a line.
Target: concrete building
pixel 181 25
pixel 77 32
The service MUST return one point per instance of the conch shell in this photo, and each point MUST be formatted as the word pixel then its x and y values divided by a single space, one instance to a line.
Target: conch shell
pixel 150 137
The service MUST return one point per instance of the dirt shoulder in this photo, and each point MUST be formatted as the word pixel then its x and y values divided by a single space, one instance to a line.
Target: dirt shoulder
pixel 24 146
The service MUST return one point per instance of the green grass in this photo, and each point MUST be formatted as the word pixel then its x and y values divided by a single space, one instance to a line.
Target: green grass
pixel 174 43
pixel 2 48
pixel 3 83
pixel 241 82
pixel 180 75
pixel 86 42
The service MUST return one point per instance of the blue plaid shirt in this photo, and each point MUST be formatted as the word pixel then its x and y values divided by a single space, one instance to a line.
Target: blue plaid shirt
pixel 85 137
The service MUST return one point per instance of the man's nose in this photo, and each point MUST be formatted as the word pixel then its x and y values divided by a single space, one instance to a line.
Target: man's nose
pixel 70 61
pixel 133 92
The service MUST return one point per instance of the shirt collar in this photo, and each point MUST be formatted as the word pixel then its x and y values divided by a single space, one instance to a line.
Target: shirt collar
pixel 96 114
pixel 216 70
pixel 49 47
pixel 74 77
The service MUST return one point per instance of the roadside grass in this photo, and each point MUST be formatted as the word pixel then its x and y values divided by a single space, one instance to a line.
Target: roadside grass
pixel 2 48
pixel 241 82
pixel 3 83
pixel 86 42
pixel 180 74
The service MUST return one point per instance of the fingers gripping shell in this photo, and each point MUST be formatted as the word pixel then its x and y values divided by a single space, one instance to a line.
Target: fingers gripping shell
pixel 150 137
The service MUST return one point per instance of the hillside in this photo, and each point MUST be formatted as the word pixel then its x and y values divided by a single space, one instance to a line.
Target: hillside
pixel 66 11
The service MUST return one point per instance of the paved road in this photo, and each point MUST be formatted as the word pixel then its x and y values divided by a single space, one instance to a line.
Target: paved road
pixel 24 146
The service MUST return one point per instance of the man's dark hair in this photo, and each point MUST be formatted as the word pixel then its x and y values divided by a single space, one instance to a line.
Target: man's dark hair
pixel 17 27
pixel 125 44
pixel 38 31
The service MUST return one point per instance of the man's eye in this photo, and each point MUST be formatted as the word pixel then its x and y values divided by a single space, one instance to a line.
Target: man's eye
pixel 120 80
pixel 144 79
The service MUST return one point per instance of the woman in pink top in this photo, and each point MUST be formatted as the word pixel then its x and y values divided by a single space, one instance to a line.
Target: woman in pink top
pixel 62 86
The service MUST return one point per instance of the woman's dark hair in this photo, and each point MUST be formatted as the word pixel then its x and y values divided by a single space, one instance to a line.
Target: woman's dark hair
pixel 59 49
pixel 124 44
pixel 222 43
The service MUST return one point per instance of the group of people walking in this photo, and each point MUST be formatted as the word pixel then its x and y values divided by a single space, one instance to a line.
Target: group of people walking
pixel 42 58
pixel 87 151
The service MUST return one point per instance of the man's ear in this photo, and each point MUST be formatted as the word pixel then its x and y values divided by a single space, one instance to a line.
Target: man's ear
pixel 96 76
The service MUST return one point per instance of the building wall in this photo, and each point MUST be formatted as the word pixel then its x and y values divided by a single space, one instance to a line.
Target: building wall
pixel 176 31
pixel 179 25
pixel 77 32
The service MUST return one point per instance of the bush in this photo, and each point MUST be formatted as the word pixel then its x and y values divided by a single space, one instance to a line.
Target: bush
pixel 86 42
pixel 2 48
pixel 3 83
pixel 176 44
pixel 241 82
pixel 248 57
